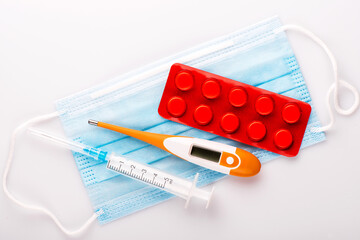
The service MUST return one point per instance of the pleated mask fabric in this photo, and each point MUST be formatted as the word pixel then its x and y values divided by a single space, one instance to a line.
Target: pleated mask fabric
pixel 255 55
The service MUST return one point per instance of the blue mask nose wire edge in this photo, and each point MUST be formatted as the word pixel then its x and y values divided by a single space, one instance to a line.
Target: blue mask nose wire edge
pixel 333 89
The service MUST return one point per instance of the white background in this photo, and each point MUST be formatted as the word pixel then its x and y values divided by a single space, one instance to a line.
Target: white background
pixel 50 49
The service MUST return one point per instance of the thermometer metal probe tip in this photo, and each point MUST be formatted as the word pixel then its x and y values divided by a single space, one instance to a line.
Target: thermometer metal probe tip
pixel 93 122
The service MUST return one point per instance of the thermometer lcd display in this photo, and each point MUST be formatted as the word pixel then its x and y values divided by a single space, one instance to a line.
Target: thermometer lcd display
pixel 204 153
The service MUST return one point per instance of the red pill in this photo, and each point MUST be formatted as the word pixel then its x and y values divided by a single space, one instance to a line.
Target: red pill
pixel 176 106
pixel 184 81
pixel 237 97
pixel 256 130
pixel 229 122
pixel 291 113
pixel 283 139
pixel 203 115
pixel 211 89
pixel 264 105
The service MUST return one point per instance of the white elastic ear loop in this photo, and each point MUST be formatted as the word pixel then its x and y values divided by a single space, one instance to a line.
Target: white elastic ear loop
pixel 34 207
pixel 335 86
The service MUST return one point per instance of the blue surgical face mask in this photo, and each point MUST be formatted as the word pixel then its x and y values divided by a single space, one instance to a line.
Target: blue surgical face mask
pixel 259 55
pixel 256 56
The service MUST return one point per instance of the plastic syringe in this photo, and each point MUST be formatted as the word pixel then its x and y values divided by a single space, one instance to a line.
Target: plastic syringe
pixel 142 172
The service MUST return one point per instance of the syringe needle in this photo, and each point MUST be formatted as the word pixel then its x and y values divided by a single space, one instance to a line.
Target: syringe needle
pixel 71 145
pixel 63 142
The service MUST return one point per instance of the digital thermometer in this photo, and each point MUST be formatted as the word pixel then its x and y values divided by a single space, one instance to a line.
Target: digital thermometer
pixel 209 154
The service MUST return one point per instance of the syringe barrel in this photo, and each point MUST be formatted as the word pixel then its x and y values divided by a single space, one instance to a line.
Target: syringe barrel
pixel 157 178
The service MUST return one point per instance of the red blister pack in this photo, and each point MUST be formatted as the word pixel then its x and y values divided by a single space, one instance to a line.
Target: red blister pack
pixel 234 110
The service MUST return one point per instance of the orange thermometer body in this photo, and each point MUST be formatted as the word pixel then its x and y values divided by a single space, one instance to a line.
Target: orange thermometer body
pixel 209 154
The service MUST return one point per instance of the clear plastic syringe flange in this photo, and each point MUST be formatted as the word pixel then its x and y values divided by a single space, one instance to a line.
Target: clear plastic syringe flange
pixel 142 172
